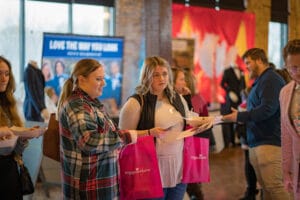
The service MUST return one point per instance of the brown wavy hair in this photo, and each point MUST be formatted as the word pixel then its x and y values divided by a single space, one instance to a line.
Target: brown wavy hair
pixel 8 105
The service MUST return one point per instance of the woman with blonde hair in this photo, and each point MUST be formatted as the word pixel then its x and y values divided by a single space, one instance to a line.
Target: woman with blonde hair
pixel 156 103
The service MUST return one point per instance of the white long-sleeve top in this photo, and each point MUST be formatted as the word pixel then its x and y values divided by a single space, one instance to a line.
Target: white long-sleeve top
pixel 169 149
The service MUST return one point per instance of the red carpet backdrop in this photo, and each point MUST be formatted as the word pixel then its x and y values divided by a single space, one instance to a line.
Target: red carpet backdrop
pixel 221 38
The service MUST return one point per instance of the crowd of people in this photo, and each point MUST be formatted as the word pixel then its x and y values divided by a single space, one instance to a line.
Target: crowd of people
pixel 268 119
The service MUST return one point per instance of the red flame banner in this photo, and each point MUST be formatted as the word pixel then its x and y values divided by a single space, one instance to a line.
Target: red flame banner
pixel 221 37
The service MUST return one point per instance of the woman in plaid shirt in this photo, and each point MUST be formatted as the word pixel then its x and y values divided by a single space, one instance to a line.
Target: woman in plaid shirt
pixel 89 139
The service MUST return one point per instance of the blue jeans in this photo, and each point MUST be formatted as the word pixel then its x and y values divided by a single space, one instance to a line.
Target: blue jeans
pixel 174 193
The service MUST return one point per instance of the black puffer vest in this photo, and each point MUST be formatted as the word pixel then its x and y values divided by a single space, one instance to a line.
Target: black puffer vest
pixel 148 108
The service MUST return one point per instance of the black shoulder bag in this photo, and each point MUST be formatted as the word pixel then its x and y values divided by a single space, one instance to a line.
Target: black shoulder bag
pixel 25 178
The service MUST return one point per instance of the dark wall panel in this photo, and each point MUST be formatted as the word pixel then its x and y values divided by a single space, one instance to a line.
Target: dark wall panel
pixel 109 3
pixel 222 4
pixel 279 11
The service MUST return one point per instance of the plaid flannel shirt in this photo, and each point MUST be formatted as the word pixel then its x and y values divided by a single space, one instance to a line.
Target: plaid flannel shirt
pixel 89 149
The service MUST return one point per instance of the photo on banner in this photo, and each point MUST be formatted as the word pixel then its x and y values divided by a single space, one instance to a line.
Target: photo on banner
pixel 62 51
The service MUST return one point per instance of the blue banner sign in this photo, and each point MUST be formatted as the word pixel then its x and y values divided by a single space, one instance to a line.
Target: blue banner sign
pixel 62 51
pixel 78 46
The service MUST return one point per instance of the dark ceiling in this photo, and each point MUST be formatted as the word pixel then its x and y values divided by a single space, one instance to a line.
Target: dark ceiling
pixel 225 4
pixel 279 8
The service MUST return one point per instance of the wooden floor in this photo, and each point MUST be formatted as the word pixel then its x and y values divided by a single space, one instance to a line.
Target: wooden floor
pixel 227 177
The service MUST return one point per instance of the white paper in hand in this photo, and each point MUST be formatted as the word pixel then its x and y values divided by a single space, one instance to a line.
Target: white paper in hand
pixel 8 145
pixel 187 133
pixel 27 132
pixel 199 121
pixel 204 127
pixel 195 130
pixel 218 120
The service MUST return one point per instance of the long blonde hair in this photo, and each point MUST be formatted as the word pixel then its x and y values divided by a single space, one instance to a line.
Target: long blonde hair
pixel 83 67
pixel 8 105
pixel 148 68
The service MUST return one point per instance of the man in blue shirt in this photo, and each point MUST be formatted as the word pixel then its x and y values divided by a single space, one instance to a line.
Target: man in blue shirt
pixel 262 119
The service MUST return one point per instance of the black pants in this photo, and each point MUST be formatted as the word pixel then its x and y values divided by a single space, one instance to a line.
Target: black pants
pixel 10 187
pixel 228 129
pixel 228 134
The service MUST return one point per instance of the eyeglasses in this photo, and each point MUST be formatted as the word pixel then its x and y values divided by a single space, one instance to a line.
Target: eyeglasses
pixel 293 69
pixel 158 75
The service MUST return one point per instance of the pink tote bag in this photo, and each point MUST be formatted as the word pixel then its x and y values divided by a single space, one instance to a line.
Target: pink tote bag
pixel 196 160
pixel 139 172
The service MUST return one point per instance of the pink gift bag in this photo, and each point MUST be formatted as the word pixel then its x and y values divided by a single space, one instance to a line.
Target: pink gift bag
pixel 139 172
pixel 196 160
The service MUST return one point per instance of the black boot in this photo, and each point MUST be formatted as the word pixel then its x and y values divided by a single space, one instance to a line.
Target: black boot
pixel 249 195
pixel 194 191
